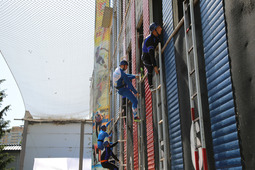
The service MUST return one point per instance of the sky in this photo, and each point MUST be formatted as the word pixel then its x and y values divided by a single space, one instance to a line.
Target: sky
pixel 49 48
pixel 13 98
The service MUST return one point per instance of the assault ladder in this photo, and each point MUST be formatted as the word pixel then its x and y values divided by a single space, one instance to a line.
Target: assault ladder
pixel 161 117
pixel 193 73
pixel 121 132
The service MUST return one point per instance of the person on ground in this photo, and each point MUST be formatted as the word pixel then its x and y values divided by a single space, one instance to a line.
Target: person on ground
pixel 102 135
pixel 148 57
pixel 107 154
pixel 122 82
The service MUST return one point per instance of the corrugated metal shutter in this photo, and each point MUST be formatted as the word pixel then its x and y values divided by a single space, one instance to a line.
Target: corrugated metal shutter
pixel 135 133
pixel 125 143
pixel 148 98
pixel 149 127
pixel 172 91
pixel 220 95
pixel 135 140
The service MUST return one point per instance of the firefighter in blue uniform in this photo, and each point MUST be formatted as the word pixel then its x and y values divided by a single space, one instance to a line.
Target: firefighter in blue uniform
pixel 103 134
pixel 122 82
pixel 149 45
pixel 107 154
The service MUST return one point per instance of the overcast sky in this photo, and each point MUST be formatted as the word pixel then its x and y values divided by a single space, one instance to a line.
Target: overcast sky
pixel 49 47
pixel 13 97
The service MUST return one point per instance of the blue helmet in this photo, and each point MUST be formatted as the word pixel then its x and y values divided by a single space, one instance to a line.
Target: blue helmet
pixel 103 126
pixel 123 62
pixel 153 26
pixel 105 143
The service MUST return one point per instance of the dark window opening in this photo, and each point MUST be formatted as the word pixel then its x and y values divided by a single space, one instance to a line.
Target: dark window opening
pixel 130 62
pixel 177 11
pixel 180 10
pixel 121 11
pixel 157 13
pixel 140 42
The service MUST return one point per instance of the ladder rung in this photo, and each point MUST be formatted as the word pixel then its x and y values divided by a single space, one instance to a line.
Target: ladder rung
pixel 153 90
pixel 194 95
pixel 199 146
pixel 161 121
pixel 162 159
pixel 123 117
pixel 123 165
pixel 196 119
pixel 159 86
pixel 193 71
pixel 122 140
pixel 191 48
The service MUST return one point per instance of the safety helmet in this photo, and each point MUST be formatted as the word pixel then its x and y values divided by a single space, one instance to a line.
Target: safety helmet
pixel 98 117
pixel 123 62
pixel 106 143
pixel 103 126
pixel 153 26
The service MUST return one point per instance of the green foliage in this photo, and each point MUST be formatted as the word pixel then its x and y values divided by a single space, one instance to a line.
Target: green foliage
pixel 5 158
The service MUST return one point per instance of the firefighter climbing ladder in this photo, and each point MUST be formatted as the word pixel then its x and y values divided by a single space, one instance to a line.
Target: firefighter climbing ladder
pixel 193 72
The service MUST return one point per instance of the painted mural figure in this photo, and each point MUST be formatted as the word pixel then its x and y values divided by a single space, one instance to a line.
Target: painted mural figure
pixel 98 120
pixel 102 135
pixel 124 86
pixel 99 58
pixel 148 56
pixel 107 154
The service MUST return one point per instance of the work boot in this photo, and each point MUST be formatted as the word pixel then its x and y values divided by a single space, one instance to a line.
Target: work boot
pixel 137 119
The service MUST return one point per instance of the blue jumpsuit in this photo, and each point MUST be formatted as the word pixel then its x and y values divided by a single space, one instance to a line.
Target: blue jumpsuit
pixel 150 43
pixel 122 82
pixel 101 136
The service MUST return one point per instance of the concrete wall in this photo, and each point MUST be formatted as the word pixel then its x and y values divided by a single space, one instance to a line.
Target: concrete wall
pixel 49 140
pixel 240 17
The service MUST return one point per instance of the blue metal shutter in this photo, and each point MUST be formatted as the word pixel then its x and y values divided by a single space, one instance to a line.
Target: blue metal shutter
pixel 172 91
pixel 220 93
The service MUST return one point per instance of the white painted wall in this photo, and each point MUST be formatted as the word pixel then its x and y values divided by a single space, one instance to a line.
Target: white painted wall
pixel 49 140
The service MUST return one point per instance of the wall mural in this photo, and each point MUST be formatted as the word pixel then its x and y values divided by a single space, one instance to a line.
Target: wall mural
pixel 100 80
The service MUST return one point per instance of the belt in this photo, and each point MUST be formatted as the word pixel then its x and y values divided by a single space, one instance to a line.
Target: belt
pixel 146 64
pixel 120 86
pixel 104 161
pixel 100 140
